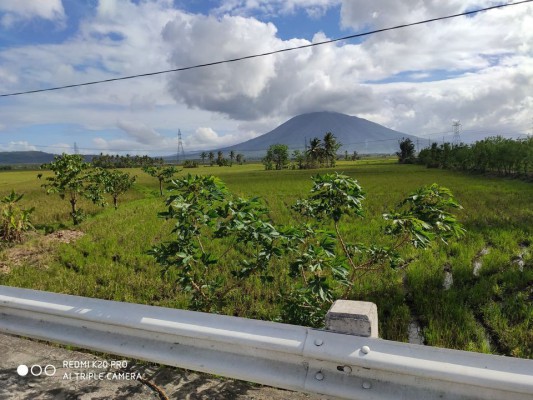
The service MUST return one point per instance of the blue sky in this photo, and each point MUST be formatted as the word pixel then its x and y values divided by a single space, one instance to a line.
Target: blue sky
pixel 478 70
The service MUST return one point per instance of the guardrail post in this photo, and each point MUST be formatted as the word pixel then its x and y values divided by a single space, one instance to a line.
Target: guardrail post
pixel 359 318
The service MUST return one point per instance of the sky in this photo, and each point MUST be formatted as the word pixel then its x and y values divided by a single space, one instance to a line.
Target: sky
pixel 477 69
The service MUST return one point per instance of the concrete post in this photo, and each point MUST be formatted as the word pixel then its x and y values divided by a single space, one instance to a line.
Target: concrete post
pixel 359 318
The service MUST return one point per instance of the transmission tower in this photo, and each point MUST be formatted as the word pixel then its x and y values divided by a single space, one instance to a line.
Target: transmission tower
pixel 456 126
pixel 180 148
pixel 76 150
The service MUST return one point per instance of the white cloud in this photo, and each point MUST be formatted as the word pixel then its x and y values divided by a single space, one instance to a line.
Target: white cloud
pixel 314 8
pixel 140 132
pixel 483 64
pixel 207 138
pixel 19 10
pixel 17 146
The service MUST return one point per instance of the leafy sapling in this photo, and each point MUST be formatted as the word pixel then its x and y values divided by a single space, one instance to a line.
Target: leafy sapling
pixel 73 179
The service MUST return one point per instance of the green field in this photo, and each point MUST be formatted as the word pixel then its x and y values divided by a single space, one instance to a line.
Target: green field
pixel 488 312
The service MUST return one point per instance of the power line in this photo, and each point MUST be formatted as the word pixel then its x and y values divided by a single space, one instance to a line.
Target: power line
pixel 358 35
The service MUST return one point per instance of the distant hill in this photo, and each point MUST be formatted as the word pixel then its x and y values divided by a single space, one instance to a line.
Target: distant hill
pixel 354 133
pixel 29 157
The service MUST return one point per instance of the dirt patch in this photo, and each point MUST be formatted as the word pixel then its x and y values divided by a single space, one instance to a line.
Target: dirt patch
pixel 64 236
pixel 36 251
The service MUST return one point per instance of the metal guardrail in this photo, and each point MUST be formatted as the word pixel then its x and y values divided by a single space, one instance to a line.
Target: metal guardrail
pixel 285 356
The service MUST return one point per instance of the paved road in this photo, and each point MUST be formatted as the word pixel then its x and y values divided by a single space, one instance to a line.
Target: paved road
pixel 87 377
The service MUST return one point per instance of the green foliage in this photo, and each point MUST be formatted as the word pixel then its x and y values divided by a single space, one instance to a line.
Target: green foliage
pixel 239 158
pixel 199 202
pixel 73 179
pixel 114 183
pixel 330 149
pixel 14 220
pixel 206 213
pixel 423 217
pixel 406 155
pixel 127 161
pixel 332 196
pixel 190 164
pixel 162 173
pixel 277 157
pixel 495 155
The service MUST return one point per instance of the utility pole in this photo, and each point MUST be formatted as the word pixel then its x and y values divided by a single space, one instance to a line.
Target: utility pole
pixel 456 126
pixel 180 148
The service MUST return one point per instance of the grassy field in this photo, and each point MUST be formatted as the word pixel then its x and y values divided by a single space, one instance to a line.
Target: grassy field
pixel 487 311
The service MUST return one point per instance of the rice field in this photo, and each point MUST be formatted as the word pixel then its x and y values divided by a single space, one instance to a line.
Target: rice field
pixel 476 294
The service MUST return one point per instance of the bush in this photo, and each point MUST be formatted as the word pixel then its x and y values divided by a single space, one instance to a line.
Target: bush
pixel 190 164
pixel 14 220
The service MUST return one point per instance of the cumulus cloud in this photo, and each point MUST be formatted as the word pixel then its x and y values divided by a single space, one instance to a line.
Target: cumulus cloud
pixel 19 10
pixel 208 138
pixel 140 132
pixel 321 78
pixel 353 78
pixel 476 69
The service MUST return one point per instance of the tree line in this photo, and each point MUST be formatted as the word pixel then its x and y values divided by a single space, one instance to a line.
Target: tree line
pixel 220 160
pixel 320 153
pixel 502 156
pixel 127 161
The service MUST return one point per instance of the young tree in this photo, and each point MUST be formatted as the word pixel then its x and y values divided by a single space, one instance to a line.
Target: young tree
pixel 212 226
pixel 239 158
pixel 115 183
pixel 406 155
pixel 299 158
pixel 277 157
pixel 72 179
pixel 162 173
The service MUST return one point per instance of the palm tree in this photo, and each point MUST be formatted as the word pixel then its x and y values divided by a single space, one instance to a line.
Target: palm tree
pixel 314 152
pixel 203 156
pixel 211 157
pixel 330 148
pixel 231 157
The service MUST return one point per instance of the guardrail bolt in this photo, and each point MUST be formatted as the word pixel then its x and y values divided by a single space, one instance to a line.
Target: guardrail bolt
pixel 319 342
pixel 319 376
pixel 367 385
pixel 365 349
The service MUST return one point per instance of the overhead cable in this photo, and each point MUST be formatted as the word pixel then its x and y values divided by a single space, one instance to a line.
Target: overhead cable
pixel 358 35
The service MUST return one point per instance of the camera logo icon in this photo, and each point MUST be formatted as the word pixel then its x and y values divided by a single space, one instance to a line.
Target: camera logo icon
pixel 36 370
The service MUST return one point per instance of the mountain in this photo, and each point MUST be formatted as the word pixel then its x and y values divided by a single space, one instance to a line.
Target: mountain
pixel 354 133
pixel 25 157
pixel 30 157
